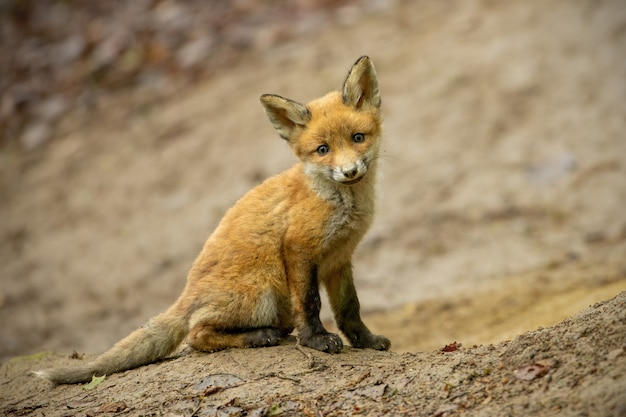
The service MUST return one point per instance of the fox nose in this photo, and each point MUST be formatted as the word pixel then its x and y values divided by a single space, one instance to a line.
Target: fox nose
pixel 350 172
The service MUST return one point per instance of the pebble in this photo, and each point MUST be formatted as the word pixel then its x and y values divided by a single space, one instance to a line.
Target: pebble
pixel 52 108
pixel 35 135
pixel 614 354
pixel 552 170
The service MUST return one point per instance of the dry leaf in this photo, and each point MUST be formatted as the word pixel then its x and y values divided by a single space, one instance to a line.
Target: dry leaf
pixel 95 381
pixel 531 371
pixel 452 347
pixel 115 407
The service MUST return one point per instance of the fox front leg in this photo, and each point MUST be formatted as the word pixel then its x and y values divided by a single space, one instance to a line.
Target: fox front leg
pixel 307 304
pixel 346 307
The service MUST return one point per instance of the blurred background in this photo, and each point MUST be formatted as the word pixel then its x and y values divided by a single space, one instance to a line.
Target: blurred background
pixel 128 128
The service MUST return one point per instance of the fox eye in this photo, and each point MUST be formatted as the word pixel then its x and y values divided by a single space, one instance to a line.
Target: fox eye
pixel 358 137
pixel 322 149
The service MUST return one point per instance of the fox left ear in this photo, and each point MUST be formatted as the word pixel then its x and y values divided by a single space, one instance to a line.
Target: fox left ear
pixel 360 90
pixel 286 115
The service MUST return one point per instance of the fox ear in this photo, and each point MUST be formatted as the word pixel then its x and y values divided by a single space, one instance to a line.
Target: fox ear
pixel 286 115
pixel 360 90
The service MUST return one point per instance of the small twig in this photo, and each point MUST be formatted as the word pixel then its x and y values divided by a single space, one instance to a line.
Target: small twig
pixel 195 412
pixel 351 385
pixel 409 381
pixel 464 393
pixel 276 375
pixel 354 365
pixel 308 355
pixel 313 365
pixel 126 410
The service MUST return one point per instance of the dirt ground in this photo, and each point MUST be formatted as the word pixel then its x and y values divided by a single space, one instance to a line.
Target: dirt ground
pixel 576 368
pixel 501 212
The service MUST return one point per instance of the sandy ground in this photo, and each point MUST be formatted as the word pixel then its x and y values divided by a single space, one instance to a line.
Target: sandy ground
pixel 501 209
pixel 574 369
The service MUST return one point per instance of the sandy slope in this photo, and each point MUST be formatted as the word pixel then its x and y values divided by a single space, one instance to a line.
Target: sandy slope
pixel 576 368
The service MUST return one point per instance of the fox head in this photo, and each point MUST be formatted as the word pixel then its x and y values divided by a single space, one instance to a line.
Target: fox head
pixel 337 137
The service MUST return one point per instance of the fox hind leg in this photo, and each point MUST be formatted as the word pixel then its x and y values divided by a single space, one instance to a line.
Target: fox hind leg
pixel 233 324
pixel 204 336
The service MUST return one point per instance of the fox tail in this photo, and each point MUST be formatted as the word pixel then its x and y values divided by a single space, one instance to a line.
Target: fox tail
pixel 154 341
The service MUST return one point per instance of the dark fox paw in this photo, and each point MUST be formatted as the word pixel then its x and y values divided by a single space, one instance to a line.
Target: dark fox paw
pixel 262 337
pixel 379 342
pixel 326 342
pixel 372 341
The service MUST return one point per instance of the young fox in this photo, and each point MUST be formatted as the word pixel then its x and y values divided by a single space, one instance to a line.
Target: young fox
pixel 257 277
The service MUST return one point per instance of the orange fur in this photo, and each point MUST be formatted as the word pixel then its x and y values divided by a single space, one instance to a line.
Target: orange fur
pixel 257 277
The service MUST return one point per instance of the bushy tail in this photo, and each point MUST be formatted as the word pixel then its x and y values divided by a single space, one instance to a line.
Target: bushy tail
pixel 146 345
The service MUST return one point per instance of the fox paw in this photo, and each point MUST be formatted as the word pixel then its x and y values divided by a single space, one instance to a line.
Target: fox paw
pixel 326 342
pixel 379 342
pixel 262 338
pixel 372 341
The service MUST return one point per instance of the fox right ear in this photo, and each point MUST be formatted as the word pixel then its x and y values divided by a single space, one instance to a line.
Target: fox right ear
pixel 286 115
pixel 360 90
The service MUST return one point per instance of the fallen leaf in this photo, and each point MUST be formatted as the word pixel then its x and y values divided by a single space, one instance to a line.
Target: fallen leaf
pixel 115 407
pixel 275 410
pixel 210 390
pixel 452 347
pixel 95 381
pixel 531 371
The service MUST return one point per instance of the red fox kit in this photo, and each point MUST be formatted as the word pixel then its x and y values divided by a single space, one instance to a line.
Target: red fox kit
pixel 258 275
